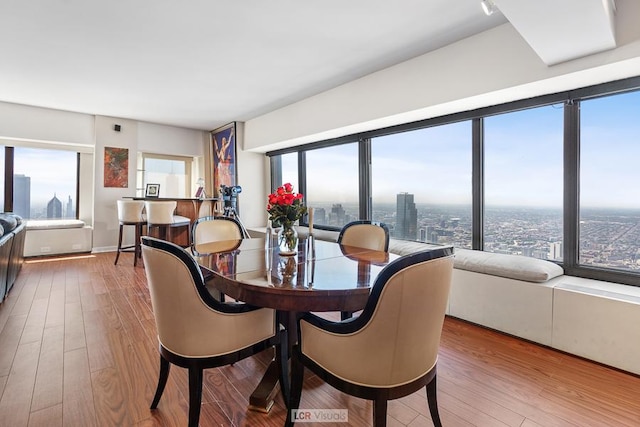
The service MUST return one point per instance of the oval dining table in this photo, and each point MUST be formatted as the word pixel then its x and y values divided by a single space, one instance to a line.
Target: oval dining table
pixel 322 276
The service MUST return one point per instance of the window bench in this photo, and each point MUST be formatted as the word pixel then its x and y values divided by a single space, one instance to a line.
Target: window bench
pixel 57 236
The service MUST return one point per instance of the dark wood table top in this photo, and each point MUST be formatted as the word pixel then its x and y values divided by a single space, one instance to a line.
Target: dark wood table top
pixel 338 278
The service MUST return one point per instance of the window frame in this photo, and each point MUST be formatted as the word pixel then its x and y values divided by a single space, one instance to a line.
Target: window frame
pixel 9 152
pixel 144 156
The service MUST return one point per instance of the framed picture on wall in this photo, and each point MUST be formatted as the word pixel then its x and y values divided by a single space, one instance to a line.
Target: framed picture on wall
pixel 116 167
pixel 153 190
pixel 223 157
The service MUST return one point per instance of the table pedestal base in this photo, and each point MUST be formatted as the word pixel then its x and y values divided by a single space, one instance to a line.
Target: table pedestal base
pixel 262 398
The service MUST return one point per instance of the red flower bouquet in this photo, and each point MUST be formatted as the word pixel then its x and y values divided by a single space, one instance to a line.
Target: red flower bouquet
pixel 285 207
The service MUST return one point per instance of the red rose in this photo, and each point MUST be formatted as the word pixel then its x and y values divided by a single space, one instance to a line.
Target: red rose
pixel 280 191
pixel 288 187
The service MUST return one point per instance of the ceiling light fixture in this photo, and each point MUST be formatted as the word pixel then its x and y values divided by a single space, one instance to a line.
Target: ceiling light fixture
pixel 488 7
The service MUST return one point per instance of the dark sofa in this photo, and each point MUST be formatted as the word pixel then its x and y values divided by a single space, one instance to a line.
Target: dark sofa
pixel 12 235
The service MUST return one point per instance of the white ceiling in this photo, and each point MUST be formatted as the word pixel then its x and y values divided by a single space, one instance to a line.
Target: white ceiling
pixel 203 63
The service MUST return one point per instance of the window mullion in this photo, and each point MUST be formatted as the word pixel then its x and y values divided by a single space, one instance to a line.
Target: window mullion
pixel 571 183
pixel 365 178
pixel 477 179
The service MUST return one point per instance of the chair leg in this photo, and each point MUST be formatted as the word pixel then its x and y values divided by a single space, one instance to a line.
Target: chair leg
pixel 380 412
pixel 119 246
pixel 297 378
pixel 195 395
pixel 162 381
pixel 282 358
pixel 137 251
pixel 433 403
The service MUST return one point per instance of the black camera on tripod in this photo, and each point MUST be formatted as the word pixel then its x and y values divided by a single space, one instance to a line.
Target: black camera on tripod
pixel 232 191
pixel 229 196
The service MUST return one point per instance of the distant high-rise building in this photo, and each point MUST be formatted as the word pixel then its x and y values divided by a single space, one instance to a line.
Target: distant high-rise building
pixel 336 217
pixel 54 208
pixel 319 216
pixel 22 195
pixel 70 212
pixel 555 250
pixel 406 217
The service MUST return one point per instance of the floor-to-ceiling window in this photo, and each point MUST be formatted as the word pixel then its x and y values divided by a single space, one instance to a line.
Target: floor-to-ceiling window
pixel 523 182
pixel 421 183
pixel 552 177
pixel 609 176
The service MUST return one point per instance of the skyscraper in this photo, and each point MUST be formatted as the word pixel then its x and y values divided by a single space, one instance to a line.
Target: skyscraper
pixel 22 195
pixel 336 217
pixel 320 216
pixel 70 212
pixel 406 217
pixel 54 208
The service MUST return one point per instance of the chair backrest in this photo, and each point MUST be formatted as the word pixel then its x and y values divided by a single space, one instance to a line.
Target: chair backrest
pixel 189 320
pixel 214 229
pixel 365 234
pixel 130 211
pixel 160 212
pixel 396 338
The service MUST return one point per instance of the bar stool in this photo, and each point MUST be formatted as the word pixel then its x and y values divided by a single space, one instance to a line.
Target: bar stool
pixel 130 213
pixel 160 214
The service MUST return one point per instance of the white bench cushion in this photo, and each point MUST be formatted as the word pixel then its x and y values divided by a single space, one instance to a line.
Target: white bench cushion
pixel 46 224
pixel 511 266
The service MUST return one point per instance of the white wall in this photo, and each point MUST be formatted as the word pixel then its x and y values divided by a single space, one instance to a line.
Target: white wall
pixel 161 139
pixel 252 202
pixel 494 67
pixel 105 222
pixel 136 136
pixel 43 124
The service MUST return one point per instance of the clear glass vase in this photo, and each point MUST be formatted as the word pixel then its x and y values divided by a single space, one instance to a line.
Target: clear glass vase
pixel 288 240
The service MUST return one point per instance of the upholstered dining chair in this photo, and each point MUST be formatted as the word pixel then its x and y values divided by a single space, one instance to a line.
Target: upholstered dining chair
pixel 391 349
pixel 214 229
pixel 364 234
pixel 130 213
pixel 198 332
pixel 160 214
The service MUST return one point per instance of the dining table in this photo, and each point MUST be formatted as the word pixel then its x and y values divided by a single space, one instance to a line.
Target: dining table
pixel 322 276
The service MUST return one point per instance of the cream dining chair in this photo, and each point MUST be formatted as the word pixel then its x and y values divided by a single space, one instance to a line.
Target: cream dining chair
pixel 214 229
pixel 391 349
pixel 367 235
pixel 195 330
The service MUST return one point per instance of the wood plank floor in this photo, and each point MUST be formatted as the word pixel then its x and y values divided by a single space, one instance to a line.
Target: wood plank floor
pixel 78 348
